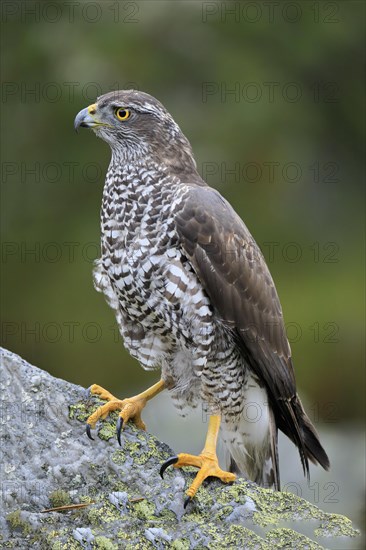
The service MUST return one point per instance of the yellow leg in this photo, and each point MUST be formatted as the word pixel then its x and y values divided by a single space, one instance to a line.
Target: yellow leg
pixel 206 462
pixel 130 408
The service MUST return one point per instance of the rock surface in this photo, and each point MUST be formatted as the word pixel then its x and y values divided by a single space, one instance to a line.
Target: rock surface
pixel 48 461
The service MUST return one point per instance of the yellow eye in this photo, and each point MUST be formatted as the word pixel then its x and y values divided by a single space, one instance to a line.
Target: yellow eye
pixel 122 114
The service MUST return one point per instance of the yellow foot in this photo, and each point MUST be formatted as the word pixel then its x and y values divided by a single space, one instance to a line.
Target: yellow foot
pixel 130 410
pixel 208 467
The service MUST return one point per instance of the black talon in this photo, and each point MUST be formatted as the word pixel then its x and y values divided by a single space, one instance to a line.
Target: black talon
pixel 187 501
pixel 167 463
pixel 88 432
pixel 119 429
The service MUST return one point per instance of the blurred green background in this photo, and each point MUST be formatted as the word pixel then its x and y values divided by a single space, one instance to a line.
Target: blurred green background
pixel 271 99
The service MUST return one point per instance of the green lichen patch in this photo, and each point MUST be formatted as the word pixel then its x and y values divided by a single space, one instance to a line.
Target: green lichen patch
pixel 287 538
pixel 107 428
pixel 335 525
pixel 103 543
pixel 165 516
pixel 94 517
pixel 140 545
pixel 105 512
pixel 144 449
pixel 56 540
pixel 230 493
pixel 17 523
pixel 224 512
pixel 59 498
pixel 238 537
pixel 274 506
pixel 194 515
pixel 144 510
pixel 85 499
pixel 80 411
pixel 180 544
pixel 67 543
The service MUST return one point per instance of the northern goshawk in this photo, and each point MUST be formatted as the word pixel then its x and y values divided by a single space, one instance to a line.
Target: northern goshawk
pixel 192 296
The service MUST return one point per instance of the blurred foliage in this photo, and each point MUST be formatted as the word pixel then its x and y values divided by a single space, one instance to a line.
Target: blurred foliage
pixel 299 108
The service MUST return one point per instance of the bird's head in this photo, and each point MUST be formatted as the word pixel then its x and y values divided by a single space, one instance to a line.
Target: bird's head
pixel 137 126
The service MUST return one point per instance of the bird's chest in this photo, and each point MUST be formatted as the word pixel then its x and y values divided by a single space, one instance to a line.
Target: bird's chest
pixel 137 231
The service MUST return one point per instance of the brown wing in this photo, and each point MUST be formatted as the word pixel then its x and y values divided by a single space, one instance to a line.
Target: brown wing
pixel 236 278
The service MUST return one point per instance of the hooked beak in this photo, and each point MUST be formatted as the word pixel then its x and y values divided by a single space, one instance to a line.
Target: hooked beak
pixel 86 118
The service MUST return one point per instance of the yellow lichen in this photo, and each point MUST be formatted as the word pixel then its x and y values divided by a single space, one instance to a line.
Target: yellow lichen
pixel 16 522
pixel 59 498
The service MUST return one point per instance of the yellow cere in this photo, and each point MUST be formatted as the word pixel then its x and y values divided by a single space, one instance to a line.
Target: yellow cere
pixel 92 108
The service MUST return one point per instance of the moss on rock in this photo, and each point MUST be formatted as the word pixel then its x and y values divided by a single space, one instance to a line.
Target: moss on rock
pixel 59 498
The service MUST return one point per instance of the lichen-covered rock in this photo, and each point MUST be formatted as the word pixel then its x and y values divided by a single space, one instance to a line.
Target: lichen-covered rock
pixel 49 462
